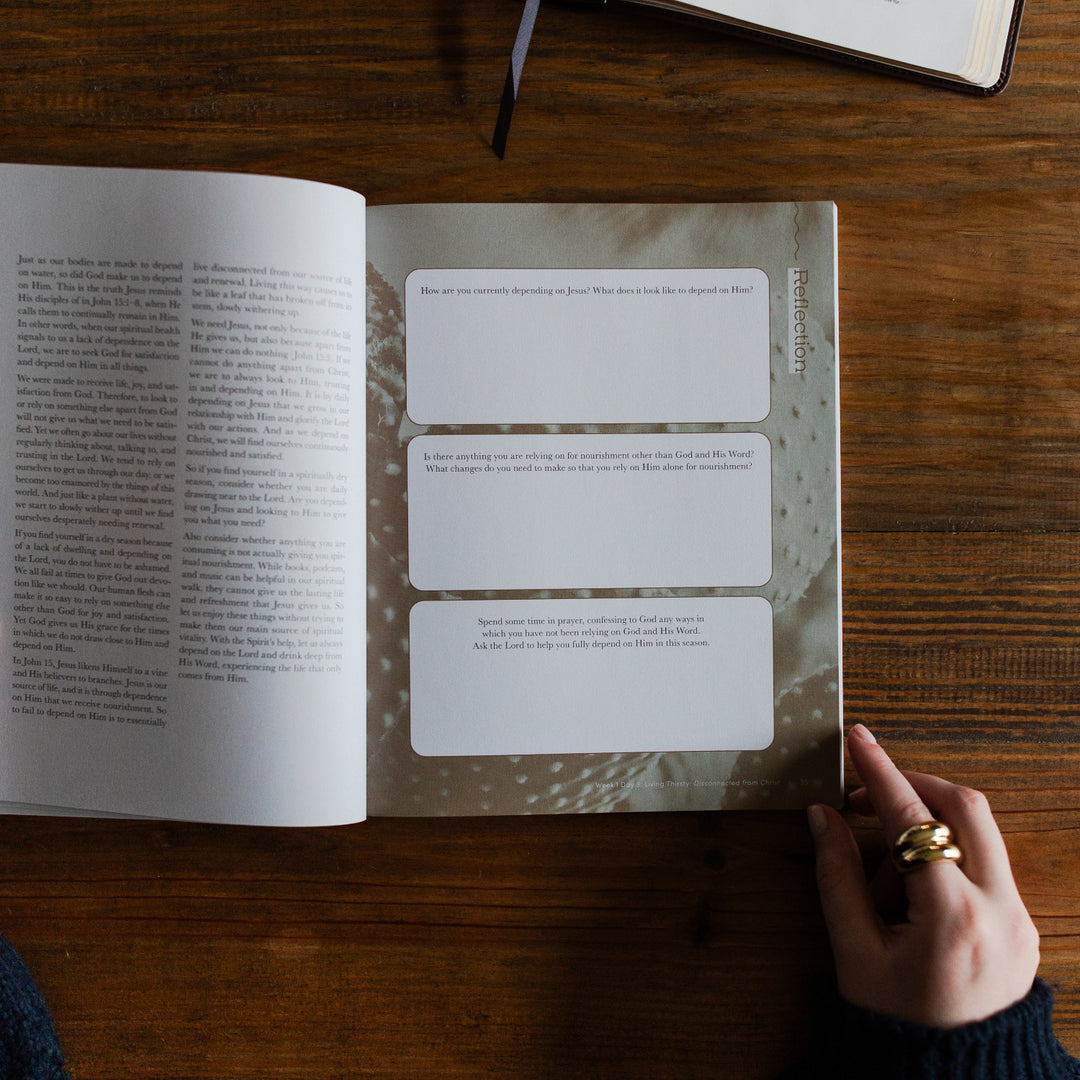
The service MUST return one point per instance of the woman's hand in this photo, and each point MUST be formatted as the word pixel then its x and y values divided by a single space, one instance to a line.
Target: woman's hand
pixel 965 947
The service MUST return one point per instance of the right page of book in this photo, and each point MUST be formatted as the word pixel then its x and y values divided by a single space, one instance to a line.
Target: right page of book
pixel 603 520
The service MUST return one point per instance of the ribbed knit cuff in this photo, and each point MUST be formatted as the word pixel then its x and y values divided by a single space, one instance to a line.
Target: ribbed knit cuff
pixel 1017 1043
pixel 28 1046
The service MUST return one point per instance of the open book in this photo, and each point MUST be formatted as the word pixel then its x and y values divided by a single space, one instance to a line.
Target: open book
pixel 613 583
pixel 966 43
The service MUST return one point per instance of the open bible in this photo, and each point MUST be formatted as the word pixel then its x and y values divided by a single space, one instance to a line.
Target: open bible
pixel 562 537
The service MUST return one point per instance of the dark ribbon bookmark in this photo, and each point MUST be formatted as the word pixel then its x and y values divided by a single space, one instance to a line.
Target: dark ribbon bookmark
pixel 513 77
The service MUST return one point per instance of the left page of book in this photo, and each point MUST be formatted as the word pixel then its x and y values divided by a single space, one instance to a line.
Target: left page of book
pixel 181 496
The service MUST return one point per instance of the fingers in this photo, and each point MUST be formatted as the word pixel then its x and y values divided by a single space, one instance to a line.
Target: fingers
pixel 894 799
pixel 902 799
pixel 850 915
pixel 968 814
pixel 957 950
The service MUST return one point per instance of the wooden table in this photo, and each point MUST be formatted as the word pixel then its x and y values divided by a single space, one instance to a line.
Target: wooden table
pixel 615 945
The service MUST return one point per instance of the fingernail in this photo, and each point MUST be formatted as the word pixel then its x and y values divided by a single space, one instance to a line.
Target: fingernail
pixel 861 731
pixel 816 819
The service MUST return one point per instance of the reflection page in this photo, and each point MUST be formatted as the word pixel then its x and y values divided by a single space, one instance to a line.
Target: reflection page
pixel 603 522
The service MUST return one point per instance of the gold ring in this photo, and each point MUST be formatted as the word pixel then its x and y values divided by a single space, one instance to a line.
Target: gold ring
pixel 929 842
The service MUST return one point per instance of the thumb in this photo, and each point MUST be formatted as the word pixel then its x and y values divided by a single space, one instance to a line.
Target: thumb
pixel 849 910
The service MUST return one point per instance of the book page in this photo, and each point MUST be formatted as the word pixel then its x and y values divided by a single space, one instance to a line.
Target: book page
pixel 603 541
pixel 962 39
pixel 182 486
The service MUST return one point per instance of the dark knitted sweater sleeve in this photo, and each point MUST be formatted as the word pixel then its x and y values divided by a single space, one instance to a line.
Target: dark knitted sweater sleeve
pixel 1017 1043
pixel 28 1046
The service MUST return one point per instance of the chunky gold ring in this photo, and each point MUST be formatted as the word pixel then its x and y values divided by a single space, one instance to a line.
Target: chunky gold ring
pixel 929 842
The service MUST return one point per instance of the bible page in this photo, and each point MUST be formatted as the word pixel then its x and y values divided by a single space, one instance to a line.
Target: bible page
pixel 182 498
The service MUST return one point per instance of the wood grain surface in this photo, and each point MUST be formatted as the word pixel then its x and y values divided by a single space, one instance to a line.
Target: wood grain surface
pixel 613 945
